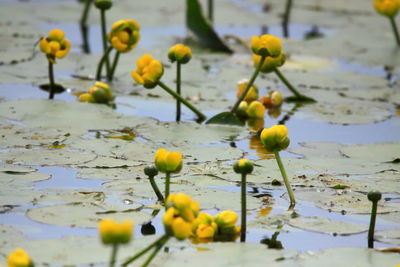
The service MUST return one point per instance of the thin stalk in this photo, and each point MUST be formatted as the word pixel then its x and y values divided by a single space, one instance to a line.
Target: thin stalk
pixel 104 35
pixel 244 210
pixel 178 90
pixel 51 78
pixel 285 179
pixel 84 26
pixel 286 18
pixel 184 101
pixel 155 188
pixel 291 87
pixel 101 63
pixel 113 255
pixel 114 66
pixel 143 251
pixel 249 85
pixel 211 11
pixel 167 182
pixel 156 250
pixel 395 30
pixel 372 224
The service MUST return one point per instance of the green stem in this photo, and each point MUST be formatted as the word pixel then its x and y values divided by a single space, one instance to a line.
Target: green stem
pixel 143 251
pixel 104 35
pixel 249 85
pixel 167 182
pixel 184 101
pixel 291 87
pixel 113 255
pixel 244 210
pixel 211 11
pixel 155 188
pixel 395 30
pixel 51 78
pixel 114 66
pixel 101 63
pixel 286 18
pixel 178 90
pixel 84 27
pixel 156 250
pixel 372 224
pixel 285 179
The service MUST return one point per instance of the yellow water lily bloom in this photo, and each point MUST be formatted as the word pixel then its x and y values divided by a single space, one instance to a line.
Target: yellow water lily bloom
pixel 148 71
pixel 86 97
pixel 251 95
pixel 124 35
pixel 101 92
pixel 226 219
pixel 180 53
pixel 388 8
pixel 181 229
pixel 266 45
pixel 54 45
pixel 19 258
pixel 167 161
pixel 256 110
pixel 112 232
pixel 275 138
pixel 270 63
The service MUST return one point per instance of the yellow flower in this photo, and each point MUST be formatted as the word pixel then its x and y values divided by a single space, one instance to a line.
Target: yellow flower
pixel 256 110
pixel 101 92
pixel 266 45
pixel 243 166
pixel 168 161
pixel 251 95
pixel 55 46
pixel 112 232
pixel 180 53
pixel 388 8
pixel 275 138
pixel 226 219
pixel 181 229
pixel 124 35
pixel 242 109
pixel 86 97
pixel 169 216
pixel 148 71
pixel 19 258
pixel 270 63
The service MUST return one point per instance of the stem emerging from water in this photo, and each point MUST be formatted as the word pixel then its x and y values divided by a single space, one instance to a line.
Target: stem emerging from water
pixel 51 78
pixel 211 11
pixel 84 26
pixel 296 93
pixel 395 30
pixel 167 182
pixel 156 250
pixel 101 63
pixel 286 18
pixel 114 66
pixel 178 90
pixel 372 224
pixel 155 188
pixel 104 35
pixel 144 251
pixel 285 179
pixel 113 255
pixel 181 99
pixel 244 213
pixel 249 85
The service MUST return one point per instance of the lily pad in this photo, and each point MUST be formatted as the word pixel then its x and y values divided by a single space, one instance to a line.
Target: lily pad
pixel 8 178
pixel 388 236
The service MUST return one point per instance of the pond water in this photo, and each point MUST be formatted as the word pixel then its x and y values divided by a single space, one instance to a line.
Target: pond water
pixel 307 128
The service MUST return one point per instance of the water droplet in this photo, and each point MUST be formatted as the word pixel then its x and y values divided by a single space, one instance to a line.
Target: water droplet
pixel 128 202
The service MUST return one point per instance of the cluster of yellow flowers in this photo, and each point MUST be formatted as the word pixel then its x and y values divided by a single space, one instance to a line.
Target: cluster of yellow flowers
pixel 388 8
pixel 55 45
pixel 99 93
pixel 114 233
pixel 275 138
pixel 251 107
pixel 183 220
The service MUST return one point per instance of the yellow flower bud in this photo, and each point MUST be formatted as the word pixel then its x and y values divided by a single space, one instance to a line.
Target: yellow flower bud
pixel 276 98
pixel 101 93
pixel 266 45
pixel 112 232
pixel 251 95
pixel 168 161
pixel 148 71
pixel 243 166
pixel 124 35
pixel 206 231
pixel 169 216
pixel 242 109
pixel 181 229
pixel 195 207
pixel 181 201
pixel 226 219
pixel 86 97
pixel 388 8
pixel 256 110
pixel 270 63
pixel 55 46
pixel 180 53
pixel 19 258
pixel 275 138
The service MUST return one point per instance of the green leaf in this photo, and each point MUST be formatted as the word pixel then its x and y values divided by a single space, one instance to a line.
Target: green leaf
pixel 225 118
pixel 198 24
pixel 339 186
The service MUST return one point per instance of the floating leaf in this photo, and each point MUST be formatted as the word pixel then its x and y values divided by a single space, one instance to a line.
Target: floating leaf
pixel 225 118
